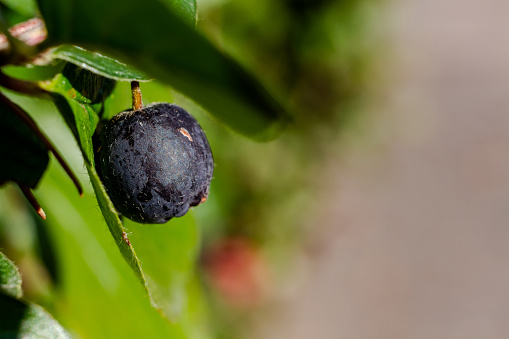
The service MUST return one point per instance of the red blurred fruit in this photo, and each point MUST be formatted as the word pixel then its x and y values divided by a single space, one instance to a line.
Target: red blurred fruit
pixel 238 272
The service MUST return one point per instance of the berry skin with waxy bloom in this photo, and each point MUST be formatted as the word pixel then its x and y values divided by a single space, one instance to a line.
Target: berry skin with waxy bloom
pixel 155 162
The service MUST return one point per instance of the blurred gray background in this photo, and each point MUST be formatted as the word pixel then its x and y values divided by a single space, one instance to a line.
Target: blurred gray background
pixel 415 221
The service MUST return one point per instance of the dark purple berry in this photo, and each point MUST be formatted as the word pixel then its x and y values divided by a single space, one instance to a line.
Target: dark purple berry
pixel 155 162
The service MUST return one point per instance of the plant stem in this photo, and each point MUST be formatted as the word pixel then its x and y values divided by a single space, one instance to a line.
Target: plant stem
pixel 136 92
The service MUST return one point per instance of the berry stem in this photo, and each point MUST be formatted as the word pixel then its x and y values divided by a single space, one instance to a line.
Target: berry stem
pixel 32 200
pixel 136 92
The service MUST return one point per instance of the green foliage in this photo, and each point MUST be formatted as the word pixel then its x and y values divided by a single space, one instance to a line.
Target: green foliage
pixel 25 7
pixel 80 88
pixel 96 281
pixel 10 279
pixel 185 8
pixel 80 74
pixel 168 49
pixel 20 319
pixel 174 247
pixel 98 64
pixel 81 117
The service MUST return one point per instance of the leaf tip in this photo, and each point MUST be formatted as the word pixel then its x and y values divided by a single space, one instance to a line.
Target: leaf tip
pixel 27 192
pixel 40 211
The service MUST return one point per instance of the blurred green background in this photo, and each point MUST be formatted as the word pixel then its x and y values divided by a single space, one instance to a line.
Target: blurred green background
pixel 221 264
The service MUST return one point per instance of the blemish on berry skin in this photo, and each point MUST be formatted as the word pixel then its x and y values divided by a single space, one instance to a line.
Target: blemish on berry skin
pixel 185 133
pixel 126 239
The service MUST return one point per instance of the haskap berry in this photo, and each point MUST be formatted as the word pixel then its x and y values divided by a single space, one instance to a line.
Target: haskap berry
pixel 155 162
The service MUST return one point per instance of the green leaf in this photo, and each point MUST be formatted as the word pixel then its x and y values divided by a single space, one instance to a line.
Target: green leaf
pixel 98 63
pixel 115 226
pixel 25 155
pixel 185 8
pixel 33 72
pixel 92 271
pixel 20 319
pixel 10 279
pixel 169 253
pixel 82 118
pixel 151 37
pixel 27 8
